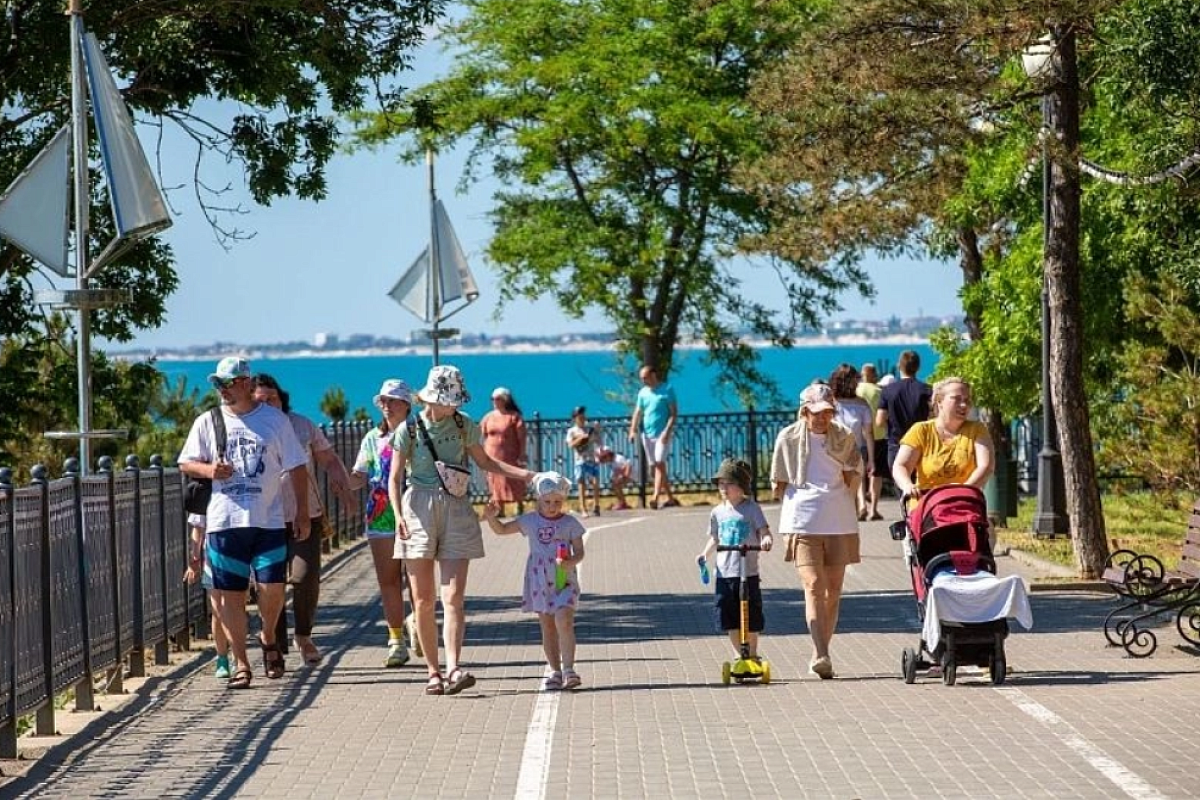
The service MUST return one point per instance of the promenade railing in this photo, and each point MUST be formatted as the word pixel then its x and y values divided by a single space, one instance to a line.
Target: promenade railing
pixel 91 567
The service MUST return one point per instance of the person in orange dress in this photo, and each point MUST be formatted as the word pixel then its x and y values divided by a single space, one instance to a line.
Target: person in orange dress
pixel 503 432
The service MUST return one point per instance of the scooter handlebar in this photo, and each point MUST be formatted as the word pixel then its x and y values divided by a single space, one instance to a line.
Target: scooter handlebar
pixel 737 548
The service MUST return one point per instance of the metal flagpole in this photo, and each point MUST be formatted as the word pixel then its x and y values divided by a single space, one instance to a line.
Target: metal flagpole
pixel 82 212
pixel 435 267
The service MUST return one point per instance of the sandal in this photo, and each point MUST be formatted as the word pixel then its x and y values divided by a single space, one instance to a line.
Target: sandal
pixel 308 651
pixel 241 679
pixel 272 660
pixel 458 680
pixel 571 679
pixel 552 682
pixel 435 686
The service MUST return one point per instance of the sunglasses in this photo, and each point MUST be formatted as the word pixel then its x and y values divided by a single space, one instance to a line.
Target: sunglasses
pixel 225 383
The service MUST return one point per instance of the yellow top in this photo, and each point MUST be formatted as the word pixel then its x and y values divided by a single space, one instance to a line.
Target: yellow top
pixel 944 462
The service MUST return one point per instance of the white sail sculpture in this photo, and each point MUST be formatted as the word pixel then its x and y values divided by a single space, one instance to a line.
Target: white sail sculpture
pixel 34 214
pixel 439 283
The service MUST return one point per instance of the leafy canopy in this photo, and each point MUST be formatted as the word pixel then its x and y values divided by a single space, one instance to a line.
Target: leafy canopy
pixel 615 128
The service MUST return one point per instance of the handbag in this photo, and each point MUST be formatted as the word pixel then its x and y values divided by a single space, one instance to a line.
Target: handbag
pixel 197 492
pixel 455 479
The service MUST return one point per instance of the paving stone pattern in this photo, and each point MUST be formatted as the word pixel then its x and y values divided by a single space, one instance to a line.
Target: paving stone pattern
pixel 1075 719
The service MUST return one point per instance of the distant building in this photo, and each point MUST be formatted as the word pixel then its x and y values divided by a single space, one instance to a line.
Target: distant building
pixel 324 340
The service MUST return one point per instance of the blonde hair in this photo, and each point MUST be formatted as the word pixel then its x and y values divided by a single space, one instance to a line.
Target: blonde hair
pixel 939 391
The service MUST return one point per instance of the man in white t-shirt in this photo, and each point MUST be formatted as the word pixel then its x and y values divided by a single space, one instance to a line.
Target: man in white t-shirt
pixel 246 521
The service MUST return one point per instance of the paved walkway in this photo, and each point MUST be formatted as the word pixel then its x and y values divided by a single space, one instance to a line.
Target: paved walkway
pixel 1076 719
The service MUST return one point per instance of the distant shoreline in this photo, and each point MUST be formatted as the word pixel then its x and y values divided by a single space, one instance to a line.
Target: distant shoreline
pixel 567 344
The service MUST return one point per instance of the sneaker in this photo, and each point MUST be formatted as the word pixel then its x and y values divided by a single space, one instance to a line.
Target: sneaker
pixel 553 681
pixel 222 671
pixel 620 507
pixel 397 654
pixel 571 679
pixel 821 667
pixel 596 510
pixel 410 627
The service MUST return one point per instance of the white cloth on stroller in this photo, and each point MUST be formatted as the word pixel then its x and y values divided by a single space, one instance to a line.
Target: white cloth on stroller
pixel 981 597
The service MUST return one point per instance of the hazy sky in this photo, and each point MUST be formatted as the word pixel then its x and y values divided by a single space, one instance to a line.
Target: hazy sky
pixel 327 267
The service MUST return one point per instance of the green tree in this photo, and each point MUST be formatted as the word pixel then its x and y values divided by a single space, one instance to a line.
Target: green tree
pixel 904 125
pixel 615 128
pixel 334 404
pixel 286 69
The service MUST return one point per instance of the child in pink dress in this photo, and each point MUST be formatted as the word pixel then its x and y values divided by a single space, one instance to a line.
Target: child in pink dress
pixel 547 528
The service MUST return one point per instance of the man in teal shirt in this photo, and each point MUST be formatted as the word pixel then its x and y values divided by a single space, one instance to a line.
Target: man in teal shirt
pixel 655 413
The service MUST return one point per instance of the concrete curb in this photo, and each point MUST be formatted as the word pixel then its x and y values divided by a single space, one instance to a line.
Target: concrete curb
pixel 1055 577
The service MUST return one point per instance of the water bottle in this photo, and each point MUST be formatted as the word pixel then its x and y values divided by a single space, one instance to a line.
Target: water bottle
pixel 560 572
pixel 703 569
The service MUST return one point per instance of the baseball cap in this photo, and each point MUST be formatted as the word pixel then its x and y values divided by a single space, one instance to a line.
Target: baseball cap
pixel 816 398
pixel 229 368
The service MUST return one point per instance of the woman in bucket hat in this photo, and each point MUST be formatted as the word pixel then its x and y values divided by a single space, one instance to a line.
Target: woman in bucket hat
pixel 433 522
pixel 373 469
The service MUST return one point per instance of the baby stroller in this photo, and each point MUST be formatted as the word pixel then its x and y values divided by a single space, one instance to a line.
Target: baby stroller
pixel 962 606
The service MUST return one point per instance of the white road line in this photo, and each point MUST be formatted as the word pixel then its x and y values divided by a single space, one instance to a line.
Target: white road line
pixel 535 760
pixel 1124 779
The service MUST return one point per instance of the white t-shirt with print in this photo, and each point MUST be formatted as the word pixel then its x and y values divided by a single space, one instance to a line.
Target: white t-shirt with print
pixel 261 446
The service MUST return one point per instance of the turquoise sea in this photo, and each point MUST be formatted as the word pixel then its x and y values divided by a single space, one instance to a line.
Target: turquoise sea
pixel 551 383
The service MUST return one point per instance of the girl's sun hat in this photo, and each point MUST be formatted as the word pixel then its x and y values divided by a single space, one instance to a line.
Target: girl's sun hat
pixel 394 389
pixel 444 387
pixel 549 483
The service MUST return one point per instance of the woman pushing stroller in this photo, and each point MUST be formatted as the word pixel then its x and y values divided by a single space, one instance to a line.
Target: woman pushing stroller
pixel 949 448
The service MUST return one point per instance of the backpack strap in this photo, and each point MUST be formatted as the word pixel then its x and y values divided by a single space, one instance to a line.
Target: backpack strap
pixel 218 423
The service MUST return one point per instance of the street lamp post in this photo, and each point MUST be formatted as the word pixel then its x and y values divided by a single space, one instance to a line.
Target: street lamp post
pixel 1049 518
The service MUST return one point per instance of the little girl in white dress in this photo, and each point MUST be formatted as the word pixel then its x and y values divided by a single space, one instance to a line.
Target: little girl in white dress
pixel 551 583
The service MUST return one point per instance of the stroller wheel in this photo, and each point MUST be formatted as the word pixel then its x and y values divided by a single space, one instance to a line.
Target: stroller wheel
pixel 998 669
pixel 908 665
pixel 949 669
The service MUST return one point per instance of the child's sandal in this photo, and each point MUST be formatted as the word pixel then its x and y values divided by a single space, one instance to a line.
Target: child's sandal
pixel 435 686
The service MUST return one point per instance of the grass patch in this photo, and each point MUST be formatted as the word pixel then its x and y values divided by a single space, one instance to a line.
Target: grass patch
pixel 1145 522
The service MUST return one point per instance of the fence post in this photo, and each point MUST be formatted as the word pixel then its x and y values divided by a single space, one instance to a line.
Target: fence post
pixel 752 446
pixel 44 723
pixel 8 731
pixel 84 701
pixel 162 648
pixel 137 656
pixel 115 684
pixel 537 439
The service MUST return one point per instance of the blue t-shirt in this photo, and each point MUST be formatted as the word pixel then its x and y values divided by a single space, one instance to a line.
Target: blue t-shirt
pixel 731 526
pixel 655 405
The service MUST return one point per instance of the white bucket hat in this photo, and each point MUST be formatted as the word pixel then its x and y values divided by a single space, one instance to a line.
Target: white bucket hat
pixel 444 387
pixel 395 389
pixel 546 483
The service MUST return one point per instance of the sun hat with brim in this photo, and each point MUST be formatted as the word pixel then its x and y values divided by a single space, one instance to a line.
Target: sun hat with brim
pixel 499 392
pixel 394 389
pixel 229 368
pixel 816 398
pixel 736 470
pixel 444 387
pixel 548 483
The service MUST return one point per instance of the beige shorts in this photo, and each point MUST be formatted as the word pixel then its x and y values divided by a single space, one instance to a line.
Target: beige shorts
pixel 824 550
pixel 439 526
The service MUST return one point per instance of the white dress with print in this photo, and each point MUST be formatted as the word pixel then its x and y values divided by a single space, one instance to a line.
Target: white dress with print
pixel 544 534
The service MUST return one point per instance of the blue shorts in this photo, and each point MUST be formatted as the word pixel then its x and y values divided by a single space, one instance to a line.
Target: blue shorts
pixel 235 553
pixel 728 612
pixel 587 469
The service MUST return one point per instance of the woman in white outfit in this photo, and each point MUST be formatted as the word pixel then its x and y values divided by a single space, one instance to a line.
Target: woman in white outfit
pixel 815 463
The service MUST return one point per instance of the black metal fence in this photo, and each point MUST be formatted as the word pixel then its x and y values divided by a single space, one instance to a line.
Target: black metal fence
pixel 91 566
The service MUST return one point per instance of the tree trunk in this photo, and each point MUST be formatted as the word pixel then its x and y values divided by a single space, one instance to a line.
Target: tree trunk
pixel 1063 284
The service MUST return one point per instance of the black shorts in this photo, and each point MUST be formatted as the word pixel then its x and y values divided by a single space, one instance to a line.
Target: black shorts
pixel 881 460
pixel 728 612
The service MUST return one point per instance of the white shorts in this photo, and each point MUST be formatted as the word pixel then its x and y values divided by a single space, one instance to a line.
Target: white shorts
pixel 657 448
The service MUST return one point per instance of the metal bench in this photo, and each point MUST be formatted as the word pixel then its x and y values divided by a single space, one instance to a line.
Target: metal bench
pixel 1147 593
